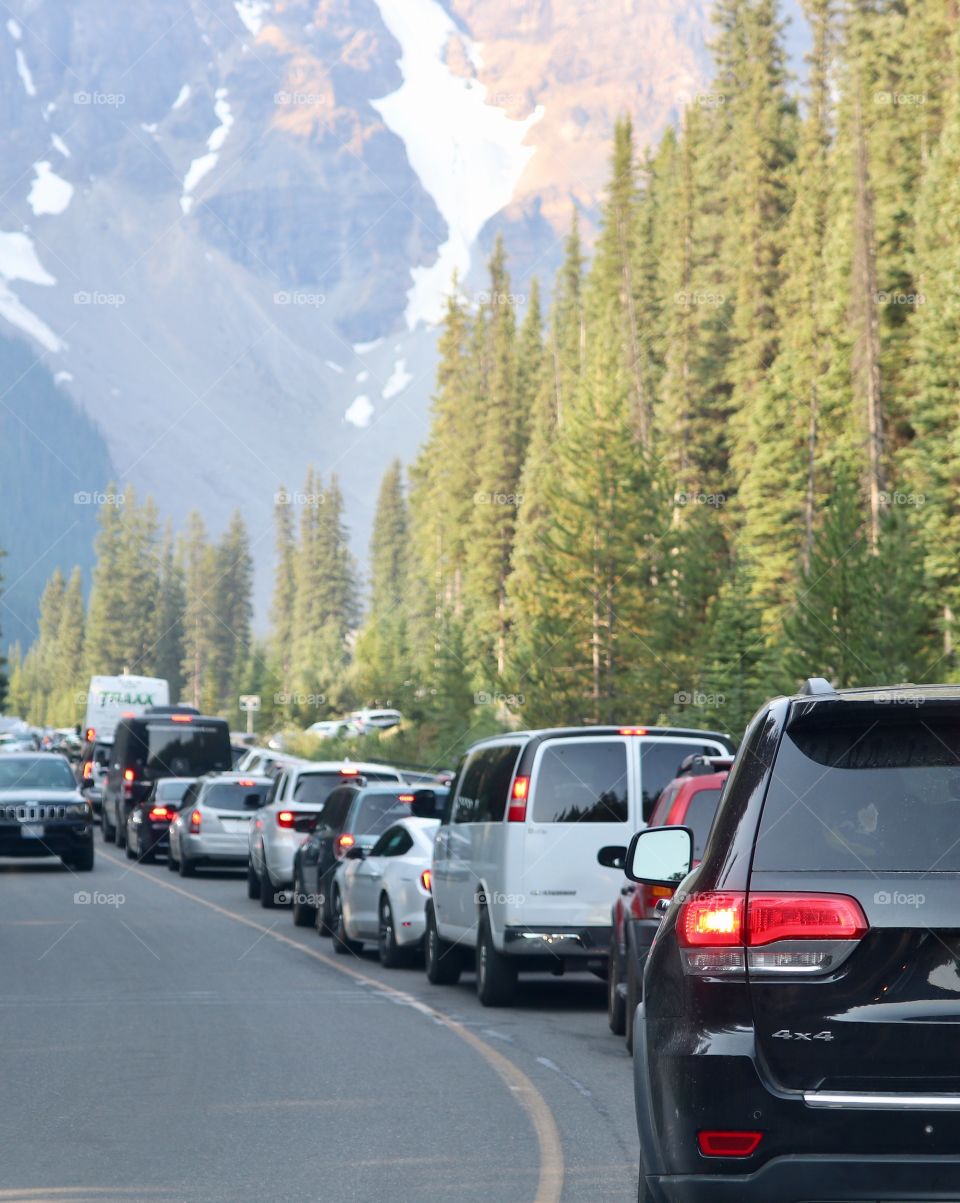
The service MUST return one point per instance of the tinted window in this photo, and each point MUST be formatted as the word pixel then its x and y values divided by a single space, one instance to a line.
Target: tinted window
pixel 231 795
pixel 699 817
pixel 314 788
pixel 395 842
pixel 874 795
pixel 482 797
pixel 50 772
pixel 171 749
pixel 660 763
pixel 581 782
pixel 373 813
pixel 338 804
pixel 172 791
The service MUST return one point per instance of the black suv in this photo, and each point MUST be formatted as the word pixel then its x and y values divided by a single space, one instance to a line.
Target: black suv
pixel 802 994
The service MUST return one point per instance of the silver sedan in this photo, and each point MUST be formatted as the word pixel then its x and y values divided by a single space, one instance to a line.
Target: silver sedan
pixel 212 825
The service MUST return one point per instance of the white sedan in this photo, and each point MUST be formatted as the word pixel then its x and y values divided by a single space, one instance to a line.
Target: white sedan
pixel 380 897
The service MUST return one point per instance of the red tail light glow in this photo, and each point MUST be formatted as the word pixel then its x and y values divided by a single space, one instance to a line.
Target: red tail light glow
pixel 91 734
pixel 517 810
pixel 181 718
pixel 348 772
pixel 774 917
pixel 129 775
pixel 425 878
pixel 632 731
pixel 88 770
pixel 195 820
pixel 161 812
pixel 286 818
pixel 343 845
pixel 406 797
pixel 729 1144
pixel 246 782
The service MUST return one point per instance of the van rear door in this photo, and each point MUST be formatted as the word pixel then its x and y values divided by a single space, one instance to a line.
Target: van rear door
pixel 578 802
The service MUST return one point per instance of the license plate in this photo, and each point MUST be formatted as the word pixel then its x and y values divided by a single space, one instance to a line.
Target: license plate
pixel 32 831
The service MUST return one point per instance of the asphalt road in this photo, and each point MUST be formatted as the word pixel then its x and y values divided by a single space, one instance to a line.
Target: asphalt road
pixel 170 1040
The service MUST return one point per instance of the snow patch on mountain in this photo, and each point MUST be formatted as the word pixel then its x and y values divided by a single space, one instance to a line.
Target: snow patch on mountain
pixel 59 145
pixel 399 379
pixel 49 192
pixel 26 78
pixel 14 30
pixel 182 97
pixel 202 166
pixel 360 411
pixel 19 261
pixel 468 154
pixel 251 13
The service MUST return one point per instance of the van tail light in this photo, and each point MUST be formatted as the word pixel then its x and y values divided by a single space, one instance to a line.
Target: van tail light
pixel 517 810
pixel 728 1144
pixel 88 770
pixel 768 934
pixel 425 878
pixel 195 820
pixel 160 814
pixel 90 734
pixel 286 818
pixel 129 776
pixel 343 844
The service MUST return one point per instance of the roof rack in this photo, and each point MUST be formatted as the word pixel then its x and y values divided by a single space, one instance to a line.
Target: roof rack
pixel 699 765
pixel 815 687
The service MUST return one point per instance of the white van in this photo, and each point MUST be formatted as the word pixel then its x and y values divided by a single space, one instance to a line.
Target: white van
pixel 515 872
pixel 111 698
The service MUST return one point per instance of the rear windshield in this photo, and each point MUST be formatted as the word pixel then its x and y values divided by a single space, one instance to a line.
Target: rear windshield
pixel 699 817
pixel 168 749
pixel 584 781
pixel 314 788
pixel 172 791
pixel 231 795
pixel 48 773
pixel 873 795
pixel 374 813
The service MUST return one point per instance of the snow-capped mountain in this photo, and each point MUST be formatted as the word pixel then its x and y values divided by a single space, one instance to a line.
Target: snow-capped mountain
pixel 227 226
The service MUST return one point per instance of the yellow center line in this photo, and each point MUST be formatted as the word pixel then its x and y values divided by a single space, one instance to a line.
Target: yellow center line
pixel 551 1174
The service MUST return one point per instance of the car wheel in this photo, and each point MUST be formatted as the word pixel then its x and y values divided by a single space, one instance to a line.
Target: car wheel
pixel 187 867
pixel 130 850
pixel 342 943
pixel 253 882
pixel 302 911
pixel 496 974
pixel 392 956
pixel 634 990
pixel 444 961
pixel 616 1003
pixel 82 861
pixel 109 831
pixel 268 898
pixel 325 915
pixel 148 857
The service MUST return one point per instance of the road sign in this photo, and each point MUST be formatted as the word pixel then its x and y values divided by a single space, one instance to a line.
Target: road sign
pixel 249 701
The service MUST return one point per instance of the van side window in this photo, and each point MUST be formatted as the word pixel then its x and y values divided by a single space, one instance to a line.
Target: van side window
pixel 482 796
pixel 583 781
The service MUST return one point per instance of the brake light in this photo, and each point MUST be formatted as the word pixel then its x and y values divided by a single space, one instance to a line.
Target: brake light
pixel 343 844
pixel 286 818
pixel 160 812
pixel 246 783
pixel 768 934
pixel 728 1144
pixel 88 770
pixel 129 775
pixel 517 810
pixel 91 733
pixel 406 797
pixel 195 820
pixel 181 718
pixel 425 878
pixel 632 731
pixel 345 772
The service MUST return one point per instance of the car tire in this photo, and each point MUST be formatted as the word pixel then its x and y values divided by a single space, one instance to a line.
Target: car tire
pixel 130 851
pixel 268 898
pixel 82 861
pixel 616 1003
pixel 327 919
pixel 392 956
pixel 444 961
pixel 253 882
pixel 342 944
pixel 496 974
pixel 302 912
pixel 109 831
pixel 187 867
pixel 634 993
pixel 120 835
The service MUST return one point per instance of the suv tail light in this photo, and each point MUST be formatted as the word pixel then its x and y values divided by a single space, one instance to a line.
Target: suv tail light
pixel 767 934
pixel 195 820
pixel 343 844
pixel 728 1144
pixel 517 810
pixel 286 818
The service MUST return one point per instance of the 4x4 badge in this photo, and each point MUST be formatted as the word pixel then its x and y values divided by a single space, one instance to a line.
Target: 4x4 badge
pixel 786 1034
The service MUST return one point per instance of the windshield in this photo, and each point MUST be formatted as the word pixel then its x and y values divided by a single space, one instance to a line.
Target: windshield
pixel 43 773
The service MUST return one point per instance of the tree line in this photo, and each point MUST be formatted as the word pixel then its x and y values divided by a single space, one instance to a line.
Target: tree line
pixel 724 459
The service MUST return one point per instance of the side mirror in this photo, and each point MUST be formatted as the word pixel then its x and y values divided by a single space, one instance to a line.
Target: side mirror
pixel 614 856
pixel 660 856
pixel 305 823
pixel 356 853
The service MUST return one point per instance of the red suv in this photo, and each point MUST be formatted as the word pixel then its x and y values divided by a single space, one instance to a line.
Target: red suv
pixel 690 800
